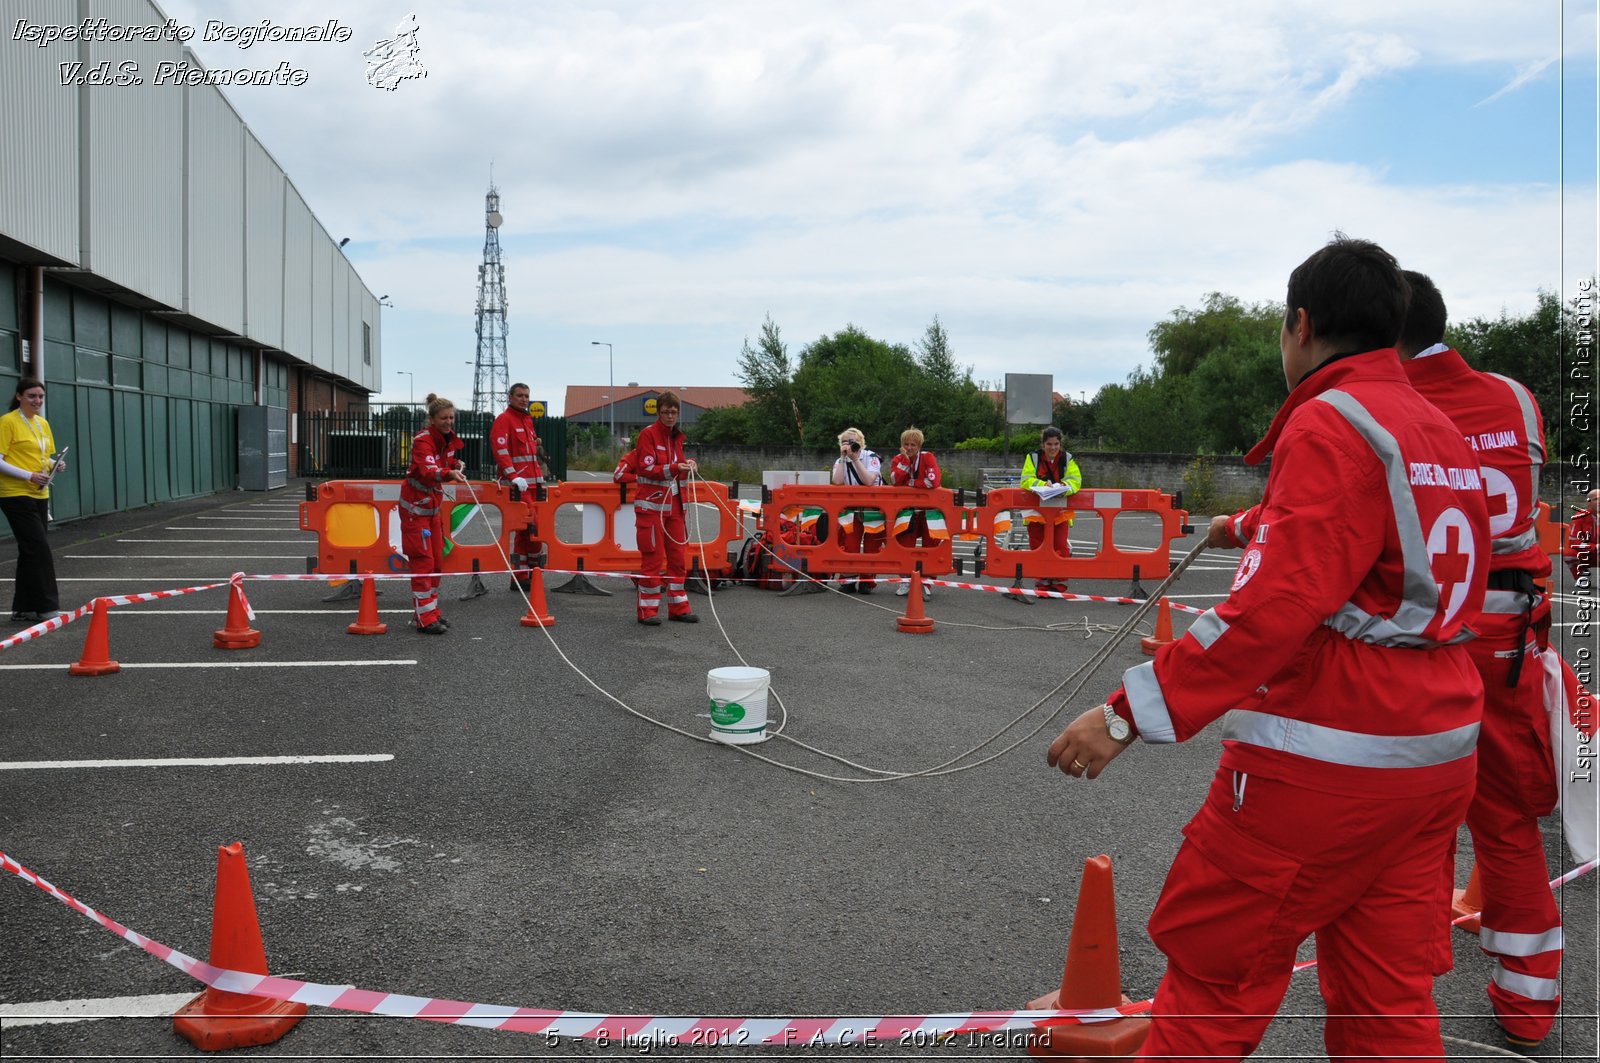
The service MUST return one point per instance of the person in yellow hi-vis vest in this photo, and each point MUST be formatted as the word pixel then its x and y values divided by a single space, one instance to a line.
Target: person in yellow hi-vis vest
pixel 915 467
pixel 1051 473
pixel 860 528
pixel 28 462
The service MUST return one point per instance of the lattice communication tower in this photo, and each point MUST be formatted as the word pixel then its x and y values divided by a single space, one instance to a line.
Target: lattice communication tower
pixel 491 377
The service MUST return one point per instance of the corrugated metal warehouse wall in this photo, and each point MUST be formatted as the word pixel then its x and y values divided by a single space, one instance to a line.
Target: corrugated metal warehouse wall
pixel 185 273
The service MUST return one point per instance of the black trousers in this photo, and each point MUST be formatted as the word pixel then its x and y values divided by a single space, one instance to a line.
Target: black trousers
pixel 35 590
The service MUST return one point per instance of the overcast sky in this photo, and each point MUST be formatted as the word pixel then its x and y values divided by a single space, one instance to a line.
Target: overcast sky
pixel 1050 178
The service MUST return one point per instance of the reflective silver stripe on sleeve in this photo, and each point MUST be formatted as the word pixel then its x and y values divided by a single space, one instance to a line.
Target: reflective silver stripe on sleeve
pixel 1333 746
pixel 1420 595
pixel 1515 544
pixel 1530 423
pixel 1238 528
pixel 1208 628
pixel 1525 985
pixel 1148 703
pixel 653 482
pixel 518 457
pixel 418 509
pixel 1536 458
pixel 417 485
pixel 1508 944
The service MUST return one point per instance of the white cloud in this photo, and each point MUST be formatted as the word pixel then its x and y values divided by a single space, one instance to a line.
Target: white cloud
pixel 1050 178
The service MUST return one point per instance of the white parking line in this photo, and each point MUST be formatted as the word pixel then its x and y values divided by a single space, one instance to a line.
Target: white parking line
pixel 196 762
pixel 338 614
pixel 262 517
pixel 230 542
pixel 219 664
pixel 40 1012
pixel 185 557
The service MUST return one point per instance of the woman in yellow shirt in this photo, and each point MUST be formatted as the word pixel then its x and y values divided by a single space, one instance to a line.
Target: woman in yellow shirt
pixel 27 462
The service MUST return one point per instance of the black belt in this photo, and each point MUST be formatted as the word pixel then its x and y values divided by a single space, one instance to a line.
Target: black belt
pixel 1521 582
pixel 1513 579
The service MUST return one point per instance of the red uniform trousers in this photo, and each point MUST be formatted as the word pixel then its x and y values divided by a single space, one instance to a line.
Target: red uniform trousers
pixel 857 540
pixel 1367 875
pixel 422 539
pixel 662 538
pixel 916 531
pixel 1516 785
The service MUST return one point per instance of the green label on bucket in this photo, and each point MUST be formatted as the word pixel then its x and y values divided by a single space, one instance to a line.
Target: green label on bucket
pixel 725 713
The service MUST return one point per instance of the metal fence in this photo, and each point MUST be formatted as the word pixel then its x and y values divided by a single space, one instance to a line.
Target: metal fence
pixel 376 444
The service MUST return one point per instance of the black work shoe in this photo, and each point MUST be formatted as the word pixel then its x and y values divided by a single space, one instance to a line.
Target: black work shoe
pixel 685 618
pixel 1521 1044
pixel 435 628
pixel 443 622
pixel 651 621
pixel 24 618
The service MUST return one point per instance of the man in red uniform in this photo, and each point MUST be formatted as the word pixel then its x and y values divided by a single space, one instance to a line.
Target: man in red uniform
pixel 1348 754
pixel 1516 772
pixel 433 463
pixel 516 460
pixel 660 467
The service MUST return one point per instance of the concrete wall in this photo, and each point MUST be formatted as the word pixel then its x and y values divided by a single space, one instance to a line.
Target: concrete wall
pixel 1229 477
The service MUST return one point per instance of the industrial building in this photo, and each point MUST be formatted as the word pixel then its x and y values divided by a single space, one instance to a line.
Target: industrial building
pixel 161 273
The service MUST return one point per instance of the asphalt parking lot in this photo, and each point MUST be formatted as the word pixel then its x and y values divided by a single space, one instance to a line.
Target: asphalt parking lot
pixel 530 842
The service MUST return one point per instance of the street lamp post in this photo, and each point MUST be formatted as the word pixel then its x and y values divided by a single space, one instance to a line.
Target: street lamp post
pixel 411 406
pixel 611 383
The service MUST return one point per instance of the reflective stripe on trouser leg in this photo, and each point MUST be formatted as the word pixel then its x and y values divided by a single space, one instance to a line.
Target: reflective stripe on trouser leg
pixel 649 599
pixel 1517 785
pixel 677 598
pixel 426 604
pixel 1524 985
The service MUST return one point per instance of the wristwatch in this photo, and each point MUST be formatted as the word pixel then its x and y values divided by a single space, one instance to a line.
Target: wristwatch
pixel 1117 727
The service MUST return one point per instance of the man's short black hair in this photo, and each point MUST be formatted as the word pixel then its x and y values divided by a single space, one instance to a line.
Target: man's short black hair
pixel 1425 314
pixel 1353 293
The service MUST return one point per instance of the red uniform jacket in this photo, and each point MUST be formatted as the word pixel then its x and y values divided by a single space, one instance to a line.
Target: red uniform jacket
pixel 922 471
pixel 516 445
pixel 1502 424
pixel 433 459
pixel 1338 648
pixel 623 473
pixel 658 463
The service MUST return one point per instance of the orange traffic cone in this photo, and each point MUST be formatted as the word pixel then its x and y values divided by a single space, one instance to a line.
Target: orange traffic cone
pixel 1092 978
pixel 1468 902
pixel 538 611
pixel 367 622
pixel 1163 635
pixel 96 659
pixel 915 622
pixel 218 1019
pixel 238 634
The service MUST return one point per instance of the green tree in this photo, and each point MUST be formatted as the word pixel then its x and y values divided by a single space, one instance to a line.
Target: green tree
pixel 773 414
pixel 722 424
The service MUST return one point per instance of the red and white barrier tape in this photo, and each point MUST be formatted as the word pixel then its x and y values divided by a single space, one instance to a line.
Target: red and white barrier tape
pixel 914 1030
pixel 57 622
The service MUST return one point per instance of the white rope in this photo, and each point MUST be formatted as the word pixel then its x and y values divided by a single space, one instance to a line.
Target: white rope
pixel 949 767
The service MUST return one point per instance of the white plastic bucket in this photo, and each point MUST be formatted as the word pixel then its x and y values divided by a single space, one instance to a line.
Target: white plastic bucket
pixel 738 704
